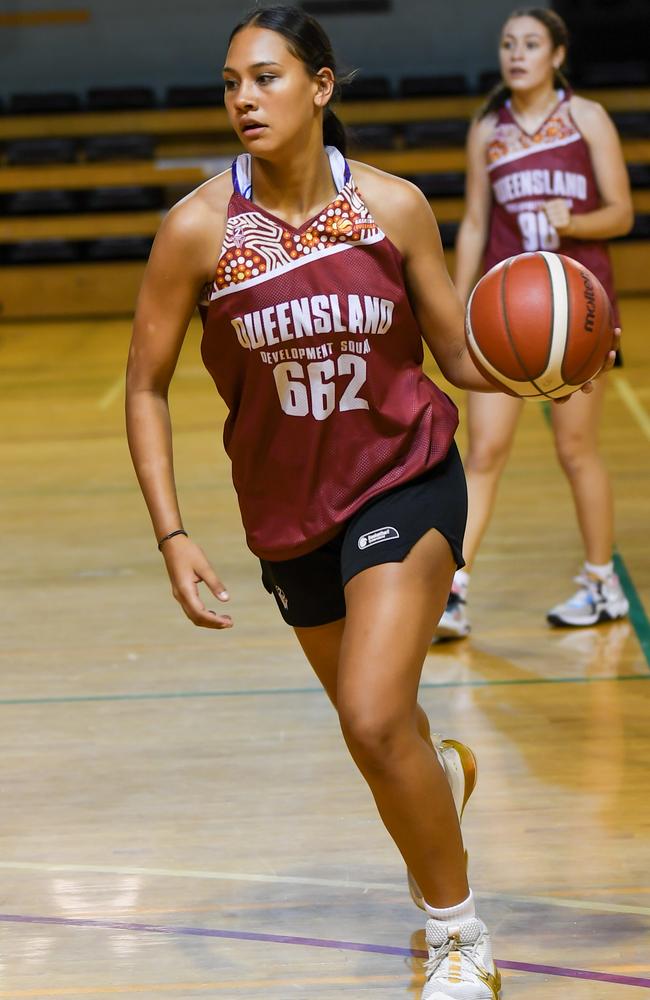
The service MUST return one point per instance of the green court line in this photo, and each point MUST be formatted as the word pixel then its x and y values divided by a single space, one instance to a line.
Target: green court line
pixel 638 615
pixel 249 692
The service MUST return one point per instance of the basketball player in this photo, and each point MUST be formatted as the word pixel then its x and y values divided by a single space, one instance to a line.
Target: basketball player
pixel 350 486
pixel 545 172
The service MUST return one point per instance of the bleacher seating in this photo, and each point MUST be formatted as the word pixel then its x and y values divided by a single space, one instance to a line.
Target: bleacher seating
pixel 187 96
pixel 118 147
pixel 367 88
pixel 120 98
pixel 54 102
pixel 30 152
pixel 620 73
pixel 85 192
pixel 433 86
pixel 445 132
pixel 47 202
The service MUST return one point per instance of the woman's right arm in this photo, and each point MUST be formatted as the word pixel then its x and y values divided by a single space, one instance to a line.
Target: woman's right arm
pixel 473 231
pixel 181 261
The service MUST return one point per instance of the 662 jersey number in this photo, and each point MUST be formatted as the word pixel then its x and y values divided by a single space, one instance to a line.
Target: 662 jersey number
pixel 315 389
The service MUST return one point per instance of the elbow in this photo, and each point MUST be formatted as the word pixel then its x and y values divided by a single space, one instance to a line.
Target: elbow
pixel 627 222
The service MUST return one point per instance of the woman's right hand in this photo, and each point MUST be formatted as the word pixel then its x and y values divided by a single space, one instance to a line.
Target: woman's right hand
pixel 187 566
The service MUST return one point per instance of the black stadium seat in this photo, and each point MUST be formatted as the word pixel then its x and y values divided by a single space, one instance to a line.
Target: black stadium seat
pixel 46 202
pixel 373 136
pixel 118 248
pixel 441 185
pixel 119 147
pixel 122 199
pixel 632 124
pixel 433 86
pixel 488 79
pixel 42 104
pixel 628 73
pixel 367 88
pixel 441 132
pixel 31 152
pixel 448 231
pixel 120 98
pixel 209 96
pixel 639 174
pixel 42 252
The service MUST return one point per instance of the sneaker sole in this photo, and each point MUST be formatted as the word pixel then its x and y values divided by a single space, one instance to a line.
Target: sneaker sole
pixel 470 772
pixel 598 619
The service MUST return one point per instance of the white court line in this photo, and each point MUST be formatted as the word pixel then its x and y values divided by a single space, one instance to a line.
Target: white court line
pixel 573 904
pixel 633 403
pixel 114 392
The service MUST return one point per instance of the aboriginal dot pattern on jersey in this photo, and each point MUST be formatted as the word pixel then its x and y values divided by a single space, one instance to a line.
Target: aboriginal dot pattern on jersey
pixel 256 244
pixel 509 140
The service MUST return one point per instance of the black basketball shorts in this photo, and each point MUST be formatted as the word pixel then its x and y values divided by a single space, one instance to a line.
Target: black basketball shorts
pixel 309 589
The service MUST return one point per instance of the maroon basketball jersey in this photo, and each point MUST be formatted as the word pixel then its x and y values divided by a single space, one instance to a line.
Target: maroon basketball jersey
pixel 526 171
pixel 312 343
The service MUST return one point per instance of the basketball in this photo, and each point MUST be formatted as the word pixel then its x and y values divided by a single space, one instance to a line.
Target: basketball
pixel 539 325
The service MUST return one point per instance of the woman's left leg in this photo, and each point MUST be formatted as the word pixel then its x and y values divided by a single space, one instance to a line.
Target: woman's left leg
pixel 391 609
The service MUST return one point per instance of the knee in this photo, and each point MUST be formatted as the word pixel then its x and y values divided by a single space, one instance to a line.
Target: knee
pixel 375 736
pixel 574 453
pixel 486 457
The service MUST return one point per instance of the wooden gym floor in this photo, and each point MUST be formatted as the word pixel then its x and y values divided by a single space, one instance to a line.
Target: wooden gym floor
pixel 179 817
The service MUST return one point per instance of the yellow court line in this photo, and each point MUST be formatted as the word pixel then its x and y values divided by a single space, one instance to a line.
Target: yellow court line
pixel 240 984
pixel 397 887
pixel 113 392
pixel 633 403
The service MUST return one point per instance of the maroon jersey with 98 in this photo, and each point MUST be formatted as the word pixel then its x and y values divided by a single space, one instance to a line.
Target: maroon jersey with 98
pixel 312 343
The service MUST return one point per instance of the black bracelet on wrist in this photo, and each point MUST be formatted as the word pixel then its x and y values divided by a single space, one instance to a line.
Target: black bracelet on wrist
pixel 179 531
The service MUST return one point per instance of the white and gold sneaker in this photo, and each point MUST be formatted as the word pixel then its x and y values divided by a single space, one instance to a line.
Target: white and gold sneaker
pixel 459 764
pixel 460 964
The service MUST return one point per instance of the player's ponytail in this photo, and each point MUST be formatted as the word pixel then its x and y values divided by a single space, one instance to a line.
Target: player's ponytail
pixel 307 41
pixel 559 35
pixel 334 132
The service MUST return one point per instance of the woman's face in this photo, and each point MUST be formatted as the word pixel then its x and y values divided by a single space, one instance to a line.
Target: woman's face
pixel 270 97
pixel 526 54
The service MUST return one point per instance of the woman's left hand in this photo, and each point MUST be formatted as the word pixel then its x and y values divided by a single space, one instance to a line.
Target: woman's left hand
pixel 558 214
pixel 608 365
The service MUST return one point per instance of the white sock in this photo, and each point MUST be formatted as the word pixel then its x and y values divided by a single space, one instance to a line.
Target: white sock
pixel 461 582
pixel 462 911
pixel 602 572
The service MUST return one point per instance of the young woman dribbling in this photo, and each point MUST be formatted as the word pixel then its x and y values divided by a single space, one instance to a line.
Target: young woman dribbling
pixel 317 280
pixel 545 172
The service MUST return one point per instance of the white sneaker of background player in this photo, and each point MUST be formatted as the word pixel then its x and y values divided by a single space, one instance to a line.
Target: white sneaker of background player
pixel 454 623
pixel 459 764
pixel 460 963
pixel 595 601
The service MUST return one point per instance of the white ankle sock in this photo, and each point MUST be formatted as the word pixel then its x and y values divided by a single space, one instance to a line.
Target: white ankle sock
pixel 462 911
pixel 602 572
pixel 461 581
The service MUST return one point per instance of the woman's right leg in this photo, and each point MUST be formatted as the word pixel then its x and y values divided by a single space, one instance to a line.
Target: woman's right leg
pixel 491 423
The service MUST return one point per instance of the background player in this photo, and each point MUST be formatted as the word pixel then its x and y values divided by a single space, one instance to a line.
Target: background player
pixel 545 172
pixel 350 486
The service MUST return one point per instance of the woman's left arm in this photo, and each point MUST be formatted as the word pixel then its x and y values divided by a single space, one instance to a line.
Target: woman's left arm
pixel 615 217
pixel 433 297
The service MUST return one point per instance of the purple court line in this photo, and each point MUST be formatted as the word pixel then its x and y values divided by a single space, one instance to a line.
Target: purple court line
pixel 379 949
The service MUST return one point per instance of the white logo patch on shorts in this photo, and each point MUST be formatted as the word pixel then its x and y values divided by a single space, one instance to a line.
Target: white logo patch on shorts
pixel 283 597
pixel 378 535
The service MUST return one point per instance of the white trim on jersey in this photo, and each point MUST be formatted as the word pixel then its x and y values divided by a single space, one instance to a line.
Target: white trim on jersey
pixel 338 166
pixel 519 154
pixel 309 258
